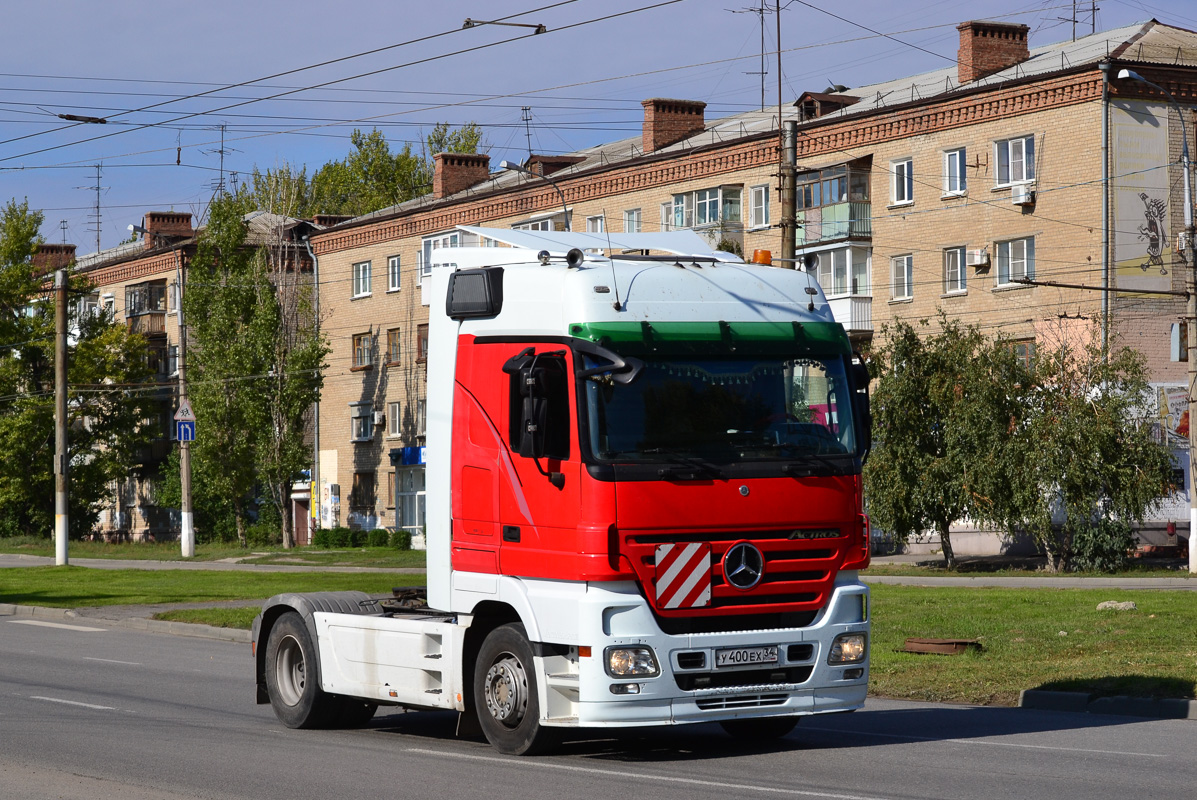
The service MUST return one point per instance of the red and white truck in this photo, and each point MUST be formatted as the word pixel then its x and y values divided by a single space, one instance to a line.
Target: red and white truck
pixel 643 504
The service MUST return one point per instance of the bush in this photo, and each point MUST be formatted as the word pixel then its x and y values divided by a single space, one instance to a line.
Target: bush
pixel 339 538
pixel 263 533
pixel 1102 546
pixel 357 538
pixel 401 539
pixel 376 538
pixel 320 538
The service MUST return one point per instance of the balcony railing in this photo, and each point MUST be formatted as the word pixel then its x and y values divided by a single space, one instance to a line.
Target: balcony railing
pixel 854 312
pixel 147 323
pixel 838 221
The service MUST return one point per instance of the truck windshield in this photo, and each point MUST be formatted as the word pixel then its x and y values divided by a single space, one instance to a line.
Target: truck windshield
pixel 722 410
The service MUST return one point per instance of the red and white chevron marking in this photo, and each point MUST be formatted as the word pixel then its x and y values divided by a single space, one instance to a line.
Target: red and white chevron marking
pixel 684 575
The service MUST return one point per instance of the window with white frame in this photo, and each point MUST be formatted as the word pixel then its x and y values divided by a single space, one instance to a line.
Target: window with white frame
pixel 901 269
pixel 706 207
pixel 1015 159
pixel 409 498
pixel 361 422
pixel 393 273
pixel 1015 260
pixel 535 225
pixel 430 245
pixel 595 224
pixel 394 420
pixel 631 221
pixel 833 271
pixel 903 181
pixel 860 271
pixel 667 216
pixel 758 206
pixel 955 181
pixel 954 278
pixel 361 279
pixel 421 417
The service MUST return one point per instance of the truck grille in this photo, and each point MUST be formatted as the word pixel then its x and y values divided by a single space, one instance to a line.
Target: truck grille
pixel 740 701
pixel 753 677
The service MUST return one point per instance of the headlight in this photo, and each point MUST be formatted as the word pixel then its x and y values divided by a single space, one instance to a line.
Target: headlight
pixel 848 648
pixel 626 662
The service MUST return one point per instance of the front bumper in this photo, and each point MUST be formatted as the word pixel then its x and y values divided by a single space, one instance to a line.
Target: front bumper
pixel 689 687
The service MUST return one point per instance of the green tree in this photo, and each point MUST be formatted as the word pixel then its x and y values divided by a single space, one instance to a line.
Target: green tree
pixel 108 422
pixel 1079 446
pixel 939 404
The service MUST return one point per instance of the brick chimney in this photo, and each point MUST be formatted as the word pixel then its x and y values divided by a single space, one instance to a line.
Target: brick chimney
pixel 49 257
pixel 166 224
pixel 667 122
pixel 547 165
pixel 453 172
pixel 989 47
pixel 329 220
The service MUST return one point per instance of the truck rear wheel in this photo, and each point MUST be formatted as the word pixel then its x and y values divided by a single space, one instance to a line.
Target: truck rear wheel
pixel 293 677
pixel 759 730
pixel 505 693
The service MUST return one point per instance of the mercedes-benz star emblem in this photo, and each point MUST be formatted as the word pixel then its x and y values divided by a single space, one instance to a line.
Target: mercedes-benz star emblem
pixel 743 566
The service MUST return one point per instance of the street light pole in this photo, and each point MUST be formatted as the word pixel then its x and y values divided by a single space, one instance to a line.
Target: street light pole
pixel 61 452
pixel 1191 311
pixel 509 165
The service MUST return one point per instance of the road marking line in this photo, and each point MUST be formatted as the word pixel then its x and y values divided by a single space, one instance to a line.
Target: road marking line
pixel 911 738
pixel 41 624
pixel 739 787
pixel 113 661
pixel 74 703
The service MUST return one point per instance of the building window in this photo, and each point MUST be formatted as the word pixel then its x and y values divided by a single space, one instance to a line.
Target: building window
pixel 430 245
pixel 1015 160
pixel 108 303
pixel 758 206
pixel 361 497
pixel 833 271
pixel 390 490
pixel 1015 260
pixel 361 422
pixel 706 207
pixel 954 279
pixel 1024 351
pixel 536 225
pixel 421 417
pixel 595 224
pixel 361 279
pixel 172 359
pixel 393 276
pixel 393 342
pixel 955 181
pixel 363 350
pixel 409 498
pixel 667 216
pixel 903 181
pixel 860 271
pixel 631 221
pixel 394 420
pixel 422 342
pixel 172 297
pixel 901 270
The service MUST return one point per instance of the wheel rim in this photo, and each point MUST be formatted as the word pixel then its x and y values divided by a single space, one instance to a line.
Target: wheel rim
pixel 506 690
pixel 290 674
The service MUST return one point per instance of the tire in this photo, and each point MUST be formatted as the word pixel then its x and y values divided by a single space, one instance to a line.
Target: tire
pixel 759 730
pixel 293 676
pixel 505 694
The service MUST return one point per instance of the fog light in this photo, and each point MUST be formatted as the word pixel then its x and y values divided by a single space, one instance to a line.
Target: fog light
pixel 848 648
pixel 853 674
pixel 624 662
pixel 625 688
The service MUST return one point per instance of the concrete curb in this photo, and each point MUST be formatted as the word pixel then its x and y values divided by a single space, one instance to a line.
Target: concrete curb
pixel 1148 707
pixel 67 615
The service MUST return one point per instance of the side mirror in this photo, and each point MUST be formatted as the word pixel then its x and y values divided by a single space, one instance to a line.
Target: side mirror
pixel 861 405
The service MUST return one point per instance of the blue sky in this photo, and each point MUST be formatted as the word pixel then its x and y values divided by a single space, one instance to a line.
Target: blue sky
pixel 583 79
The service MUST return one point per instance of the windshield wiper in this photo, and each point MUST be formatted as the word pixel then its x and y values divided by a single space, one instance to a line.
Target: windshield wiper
pixel 684 467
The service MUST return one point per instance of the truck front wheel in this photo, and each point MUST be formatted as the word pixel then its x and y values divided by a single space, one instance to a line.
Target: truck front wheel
pixel 292 677
pixel 505 693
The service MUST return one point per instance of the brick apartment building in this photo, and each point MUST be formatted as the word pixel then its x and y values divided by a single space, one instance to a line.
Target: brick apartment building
pixel 938 191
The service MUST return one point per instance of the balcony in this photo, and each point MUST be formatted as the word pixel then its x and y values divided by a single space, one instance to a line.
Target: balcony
pixel 849 220
pixel 147 323
pixel 854 312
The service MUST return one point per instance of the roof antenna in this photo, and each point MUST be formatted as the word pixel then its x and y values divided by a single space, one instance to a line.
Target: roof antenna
pixel 614 280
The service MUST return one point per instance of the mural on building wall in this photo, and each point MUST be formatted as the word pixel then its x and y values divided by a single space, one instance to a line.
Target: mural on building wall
pixel 1142 253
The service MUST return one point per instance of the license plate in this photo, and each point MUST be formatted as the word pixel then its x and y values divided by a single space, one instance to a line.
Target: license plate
pixel 742 656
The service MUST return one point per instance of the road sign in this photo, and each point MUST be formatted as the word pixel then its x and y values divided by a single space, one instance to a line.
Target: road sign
pixel 186 430
pixel 185 414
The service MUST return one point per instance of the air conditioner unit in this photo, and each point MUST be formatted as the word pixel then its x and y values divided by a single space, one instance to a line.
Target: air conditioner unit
pixel 380 418
pixel 1022 194
pixel 977 258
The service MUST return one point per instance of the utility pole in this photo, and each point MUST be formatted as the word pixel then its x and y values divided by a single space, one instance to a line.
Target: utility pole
pixel 789 158
pixel 61 499
pixel 187 518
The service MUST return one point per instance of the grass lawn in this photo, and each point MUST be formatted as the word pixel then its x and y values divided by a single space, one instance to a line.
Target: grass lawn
pixel 386 557
pixel 1031 639
pixel 74 587
pixel 216 617
pixel 933 567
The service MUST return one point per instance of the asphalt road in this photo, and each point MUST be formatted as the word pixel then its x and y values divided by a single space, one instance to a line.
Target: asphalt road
pixel 89 712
